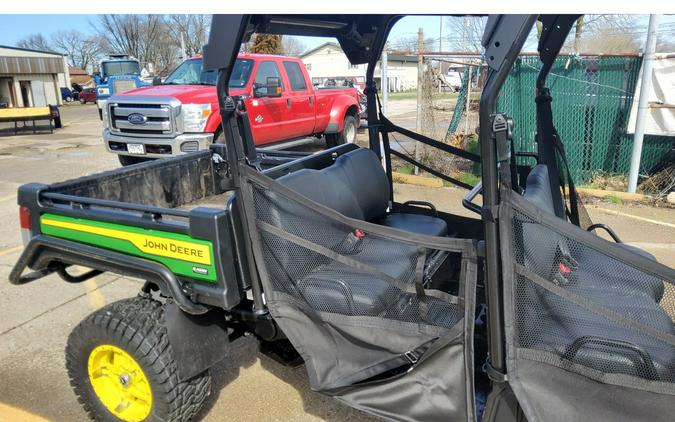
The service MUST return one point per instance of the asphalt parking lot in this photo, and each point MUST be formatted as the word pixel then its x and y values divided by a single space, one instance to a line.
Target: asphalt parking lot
pixel 37 318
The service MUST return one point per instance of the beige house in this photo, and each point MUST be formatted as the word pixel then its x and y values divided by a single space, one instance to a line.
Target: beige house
pixel 327 62
pixel 32 78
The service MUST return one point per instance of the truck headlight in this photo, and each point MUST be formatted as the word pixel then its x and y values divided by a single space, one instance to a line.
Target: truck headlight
pixel 103 91
pixel 194 117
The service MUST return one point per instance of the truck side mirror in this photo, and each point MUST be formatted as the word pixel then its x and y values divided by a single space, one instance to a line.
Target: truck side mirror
pixel 273 86
pixel 157 80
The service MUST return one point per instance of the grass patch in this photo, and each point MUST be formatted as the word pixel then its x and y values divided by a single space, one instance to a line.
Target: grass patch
pixel 613 199
pixel 468 178
pixel 406 169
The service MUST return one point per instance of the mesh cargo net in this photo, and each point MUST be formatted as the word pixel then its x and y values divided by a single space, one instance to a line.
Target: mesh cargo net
pixel 597 311
pixel 357 300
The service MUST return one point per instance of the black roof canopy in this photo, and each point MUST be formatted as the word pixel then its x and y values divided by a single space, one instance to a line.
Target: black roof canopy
pixel 361 37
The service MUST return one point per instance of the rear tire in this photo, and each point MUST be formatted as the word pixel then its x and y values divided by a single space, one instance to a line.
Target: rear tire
pixel 346 136
pixel 83 101
pixel 128 160
pixel 121 366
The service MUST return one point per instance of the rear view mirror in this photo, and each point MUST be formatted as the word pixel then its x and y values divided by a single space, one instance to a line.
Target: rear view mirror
pixel 272 88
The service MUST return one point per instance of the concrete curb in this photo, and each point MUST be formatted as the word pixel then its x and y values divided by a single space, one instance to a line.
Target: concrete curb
pixel 602 194
pixel 411 179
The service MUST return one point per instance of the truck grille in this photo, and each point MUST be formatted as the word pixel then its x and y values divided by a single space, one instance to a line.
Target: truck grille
pixel 142 119
pixel 123 85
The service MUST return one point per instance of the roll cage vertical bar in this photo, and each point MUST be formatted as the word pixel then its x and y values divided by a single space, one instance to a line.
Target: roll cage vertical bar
pixel 503 40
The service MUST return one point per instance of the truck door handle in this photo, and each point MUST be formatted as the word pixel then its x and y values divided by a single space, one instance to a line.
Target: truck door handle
pixel 288 103
pixel 310 101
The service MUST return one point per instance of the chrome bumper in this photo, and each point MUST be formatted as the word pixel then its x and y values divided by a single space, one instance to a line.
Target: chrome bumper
pixel 203 140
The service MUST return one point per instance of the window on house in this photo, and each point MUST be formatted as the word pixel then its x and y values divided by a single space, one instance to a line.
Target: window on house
pixel 308 66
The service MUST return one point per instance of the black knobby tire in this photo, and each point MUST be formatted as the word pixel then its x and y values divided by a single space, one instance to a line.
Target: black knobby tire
pixel 127 160
pixel 348 133
pixel 136 326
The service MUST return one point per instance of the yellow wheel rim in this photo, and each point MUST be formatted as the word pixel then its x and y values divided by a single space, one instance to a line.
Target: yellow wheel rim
pixel 119 382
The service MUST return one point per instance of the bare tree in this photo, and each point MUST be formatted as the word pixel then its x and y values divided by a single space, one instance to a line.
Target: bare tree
pixel 82 50
pixel 35 42
pixel 464 33
pixel 604 34
pixel 410 43
pixel 190 30
pixel 141 36
pixel 292 46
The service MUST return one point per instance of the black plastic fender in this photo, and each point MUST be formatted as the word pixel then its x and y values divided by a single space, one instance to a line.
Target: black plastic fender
pixel 198 341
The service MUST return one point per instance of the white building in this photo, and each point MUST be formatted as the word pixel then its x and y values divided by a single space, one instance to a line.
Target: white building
pixel 327 61
pixel 32 78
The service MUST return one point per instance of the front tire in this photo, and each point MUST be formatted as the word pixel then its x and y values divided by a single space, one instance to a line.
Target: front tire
pixel 347 136
pixel 121 366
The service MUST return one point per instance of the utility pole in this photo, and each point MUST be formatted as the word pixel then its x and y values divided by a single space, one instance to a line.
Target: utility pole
pixel 440 48
pixel 182 46
pixel 420 82
pixel 643 103
pixel 468 101
pixel 385 80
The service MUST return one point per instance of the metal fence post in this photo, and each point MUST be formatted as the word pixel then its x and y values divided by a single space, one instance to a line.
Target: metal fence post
pixel 385 81
pixel 643 103
pixel 420 81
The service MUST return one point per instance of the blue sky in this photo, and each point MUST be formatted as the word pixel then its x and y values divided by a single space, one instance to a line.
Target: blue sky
pixel 16 27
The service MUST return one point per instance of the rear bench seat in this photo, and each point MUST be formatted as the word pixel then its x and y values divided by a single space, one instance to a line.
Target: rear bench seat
pixel 357 187
pixel 580 335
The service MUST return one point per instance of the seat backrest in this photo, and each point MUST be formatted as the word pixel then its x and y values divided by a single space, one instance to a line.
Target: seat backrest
pixel 540 245
pixel 538 189
pixel 355 185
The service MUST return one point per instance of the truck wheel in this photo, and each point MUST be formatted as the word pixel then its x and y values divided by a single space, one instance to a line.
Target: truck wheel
pixel 83 101
pixel 127 160
pixel 121 366
pixel 347 136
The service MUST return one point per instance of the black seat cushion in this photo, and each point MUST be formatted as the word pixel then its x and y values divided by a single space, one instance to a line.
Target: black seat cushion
pixel 357 187
pixel 416 223
pixel 347 291
pixel 336 288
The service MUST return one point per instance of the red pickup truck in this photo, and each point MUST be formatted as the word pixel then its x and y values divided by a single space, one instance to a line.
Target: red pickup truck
pixel 181 115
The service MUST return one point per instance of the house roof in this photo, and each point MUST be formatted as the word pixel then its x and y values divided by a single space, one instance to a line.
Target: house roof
pixel 77 71
pixel 11 47
pixel 391 57
pixel 332 44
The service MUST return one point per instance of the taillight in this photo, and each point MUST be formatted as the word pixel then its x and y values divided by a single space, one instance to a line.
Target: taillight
pixel 25 223
pixel 24 218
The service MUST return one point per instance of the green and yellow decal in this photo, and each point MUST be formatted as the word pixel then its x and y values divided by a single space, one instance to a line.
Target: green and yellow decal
pixel 180 253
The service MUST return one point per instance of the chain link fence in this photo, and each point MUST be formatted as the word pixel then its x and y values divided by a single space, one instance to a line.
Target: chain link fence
pixel 592 98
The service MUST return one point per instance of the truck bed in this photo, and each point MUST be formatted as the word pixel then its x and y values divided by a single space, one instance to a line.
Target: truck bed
pixel 179 182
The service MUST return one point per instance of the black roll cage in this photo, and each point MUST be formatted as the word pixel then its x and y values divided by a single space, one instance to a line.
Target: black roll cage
pixel 362 38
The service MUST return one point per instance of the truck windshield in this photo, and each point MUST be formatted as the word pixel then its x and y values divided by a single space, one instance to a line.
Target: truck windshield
pixel 121 68
pixel 190 73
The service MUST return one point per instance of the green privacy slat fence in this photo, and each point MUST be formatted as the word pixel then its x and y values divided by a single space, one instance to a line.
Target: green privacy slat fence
pixel 592 97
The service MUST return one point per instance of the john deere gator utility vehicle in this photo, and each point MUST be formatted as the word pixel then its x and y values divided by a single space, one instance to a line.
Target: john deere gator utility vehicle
pixel 383 301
